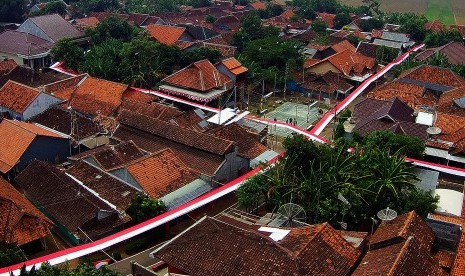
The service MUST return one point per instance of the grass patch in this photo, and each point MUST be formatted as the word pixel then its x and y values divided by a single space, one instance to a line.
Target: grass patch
pixel 440 10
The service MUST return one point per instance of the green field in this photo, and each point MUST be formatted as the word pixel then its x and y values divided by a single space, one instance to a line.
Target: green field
pixel 441 10
pixel 448 11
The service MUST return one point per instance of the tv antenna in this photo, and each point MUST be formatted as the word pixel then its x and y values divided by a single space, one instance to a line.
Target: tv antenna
pixel 386 214
pixel 293 214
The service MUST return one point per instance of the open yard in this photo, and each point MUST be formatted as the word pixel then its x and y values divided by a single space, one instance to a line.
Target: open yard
pixel 448 11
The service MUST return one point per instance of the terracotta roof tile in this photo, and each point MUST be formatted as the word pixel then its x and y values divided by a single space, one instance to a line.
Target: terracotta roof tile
pixel 154 110
pixel 110 157
pixel 412 94
pixel 401 228
pixel 343 45
pixel 17 97
pixel 403 258
pixel 67 201
pixel 191 120
pixel 97 96
pixel 187 137
pixel 433 75
pixel 248 143
pixel 445 258
pixel 259 5
pixel 328 18
pixel 86 22
pixel 165 34
pixel 138 96
pixel 234 66
pixel 161 173
pixel 16 138
pixel 20 221
pixel 310 250
pixel 201 76
pixel 349 62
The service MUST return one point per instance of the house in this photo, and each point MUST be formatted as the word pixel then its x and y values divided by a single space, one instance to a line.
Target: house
pixel 352 65
pixel 84 132
pixel 39 7
pixel 232 68
pixel 368 49
pixel 25 49
pixel 394 40
pixel 168 35
pixel 214 157
pixel 328 18
pixel 454 52
pixel 329 85
pixel 248 143
pixel 393 115
pixel 250 249
pixel 50 27
pixel 23 102
pixel 84 23
pixel 401 246
pixel 24 142
pixel 227 23
pixel 95 96
pixel 255 6
pixel 84 202
pixel 20 222
pixel 33 78
pixel 200 81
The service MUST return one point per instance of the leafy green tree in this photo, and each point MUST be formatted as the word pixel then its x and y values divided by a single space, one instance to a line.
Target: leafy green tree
pixel 55 7
pixel 422 202
pixel 86 6
pixel 10 255
pixel 84 268
pixel 150 6
pixel 12 10
pixel 143 208
pixel 415 27
pixel 341 20
pixel 373 23
pixel 386 54
pixel 300 152
pixel 112 28
pixel 104 60
pixel 252 29
pixel 374 7
pixel 200 3
pixel 69 52
pixel 339 132
pixel 210 18
pixel 319 26
pixel 200 53
pixel 443 37
pixel 252 192
pixel 306 13
pixel 395 143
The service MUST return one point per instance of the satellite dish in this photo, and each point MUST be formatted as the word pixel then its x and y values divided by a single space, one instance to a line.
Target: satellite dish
pixel 433 130
pixel 293 214
pixel 387 214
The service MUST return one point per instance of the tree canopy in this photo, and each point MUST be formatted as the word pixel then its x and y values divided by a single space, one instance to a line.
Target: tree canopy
pixel 12 10
pixel 86 6
pixel 143 208
pixel 84 268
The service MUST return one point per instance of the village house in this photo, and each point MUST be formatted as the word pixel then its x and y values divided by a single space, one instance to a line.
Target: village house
pixel 84 202
pixel 21 224
pixel 23 102
pixel 51 27
pixel 454 52
pixel 200 81
pixel 24 142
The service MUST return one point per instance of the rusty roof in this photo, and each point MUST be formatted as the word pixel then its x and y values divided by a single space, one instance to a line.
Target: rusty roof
pixel 20 221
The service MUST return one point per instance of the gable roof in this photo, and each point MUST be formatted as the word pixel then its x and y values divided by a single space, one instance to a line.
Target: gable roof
pixel 349 62
pixel 165 34
pixel 454 51
pixel 154 110
pixel 258 5
pixel 328 18
pixel 161 173
pixel 234 66
pixel 21 43
pixel 248 143
pixel 412 94
pixel 309 250
pixel 205 142
pixel 55 26
pixel 17 97
pixel 68 200
pixel 343 45
pixel 16 138
pixel 109 157
pixel 20 221
pixel 404 258
pixel 200 76
pixel 426 74
pixel 368 49
pixel 401 228
pixel 97 96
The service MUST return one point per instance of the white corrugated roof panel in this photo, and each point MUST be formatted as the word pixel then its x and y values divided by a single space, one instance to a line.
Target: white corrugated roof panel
pixel 425 118
pixel 450 201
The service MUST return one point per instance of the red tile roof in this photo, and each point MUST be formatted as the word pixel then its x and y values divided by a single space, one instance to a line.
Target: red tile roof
pixel 165 34
pixel 248 143
pixel 343 45
pixel 154 110
pixel 259 5
pixel 138 96
pixel 17 97
pixel 64 89
pixel 97 96
pixel 309 250
pixel 20 221
pixel 16 138
pixel 433 75
pixel 411 94
pixel 403 258
pixel 402 227
pixel 349 62
pixel 161 173
pixel 234 66
pixel 187 137
pixel 200 76
pixel 86 22
pixel 328 18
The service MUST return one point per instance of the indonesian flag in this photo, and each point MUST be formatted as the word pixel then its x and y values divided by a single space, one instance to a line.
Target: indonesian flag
pixel 100 264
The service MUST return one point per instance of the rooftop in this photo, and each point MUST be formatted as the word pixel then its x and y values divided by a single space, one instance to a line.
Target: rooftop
pixel 17 97
pixel 56 27
pixel 24 44
pixel 165 34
